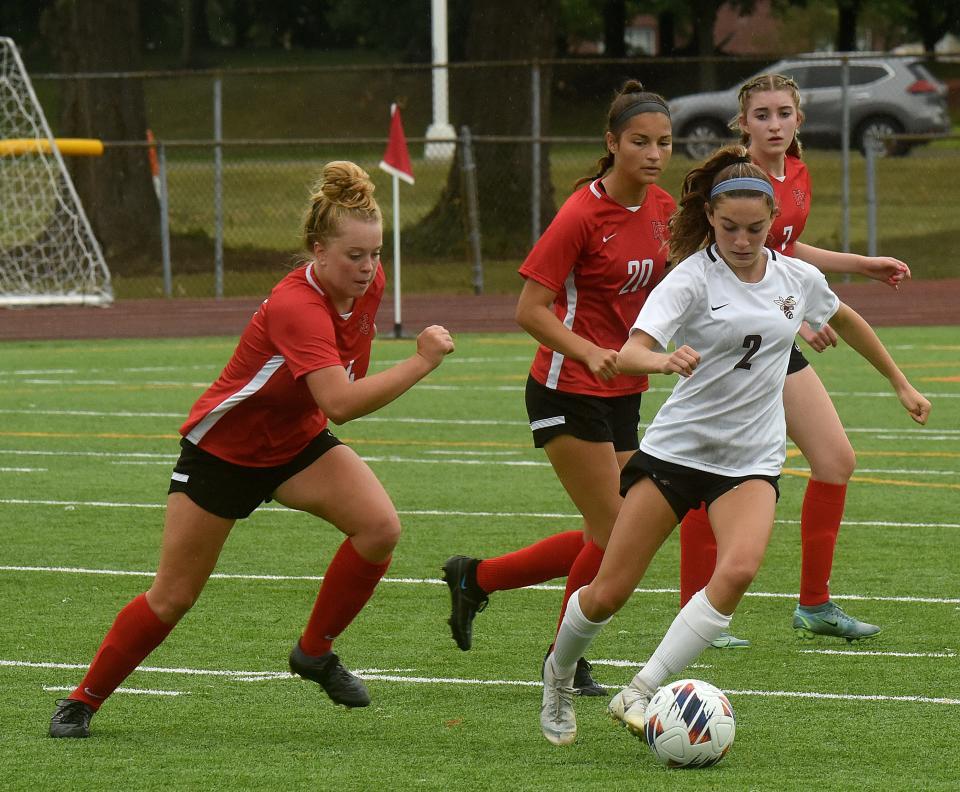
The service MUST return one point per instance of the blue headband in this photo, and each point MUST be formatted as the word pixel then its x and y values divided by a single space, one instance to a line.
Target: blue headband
pixel 742 183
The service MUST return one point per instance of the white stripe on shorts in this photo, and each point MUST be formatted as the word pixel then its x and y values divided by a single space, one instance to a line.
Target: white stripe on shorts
pixel 543 423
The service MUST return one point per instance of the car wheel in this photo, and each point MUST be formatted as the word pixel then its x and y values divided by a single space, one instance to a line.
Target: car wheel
pixel 871 131
pixel 702 137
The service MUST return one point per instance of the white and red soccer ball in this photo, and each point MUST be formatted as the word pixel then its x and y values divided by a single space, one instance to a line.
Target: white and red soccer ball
pixel 689 723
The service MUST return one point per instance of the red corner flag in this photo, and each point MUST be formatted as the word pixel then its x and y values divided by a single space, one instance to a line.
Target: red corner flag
pixel 396 158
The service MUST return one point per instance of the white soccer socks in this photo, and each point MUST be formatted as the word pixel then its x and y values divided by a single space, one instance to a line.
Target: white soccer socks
pixel 576 634
pixel 697 624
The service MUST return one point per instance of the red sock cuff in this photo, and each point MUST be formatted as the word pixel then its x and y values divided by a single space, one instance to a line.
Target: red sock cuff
pixel 834 494
pixel 357 565
pixel 152 631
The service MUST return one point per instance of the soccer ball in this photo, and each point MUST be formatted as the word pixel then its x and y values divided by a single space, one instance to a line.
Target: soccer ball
pixel 689 723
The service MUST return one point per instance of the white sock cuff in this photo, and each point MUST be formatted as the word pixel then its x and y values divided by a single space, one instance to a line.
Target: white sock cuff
pixel 579 622
pixel 701 617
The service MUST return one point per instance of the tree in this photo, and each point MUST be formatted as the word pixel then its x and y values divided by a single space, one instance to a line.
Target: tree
pixel 116 189
pixel 496 101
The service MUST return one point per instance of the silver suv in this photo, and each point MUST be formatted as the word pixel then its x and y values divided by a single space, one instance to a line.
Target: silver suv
pixel 888 96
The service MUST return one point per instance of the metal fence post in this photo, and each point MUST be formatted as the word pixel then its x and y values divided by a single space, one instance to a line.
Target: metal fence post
pixel 218 187
pixel 536 153
pixel 473 207
pixel 871 152
pixel 164 220
pixel 845 148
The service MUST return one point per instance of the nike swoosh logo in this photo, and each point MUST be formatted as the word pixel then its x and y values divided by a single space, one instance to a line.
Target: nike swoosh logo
pixel 90 693
pixel 718 307
pixel 831 622
pixel 463 583
pixel 608 238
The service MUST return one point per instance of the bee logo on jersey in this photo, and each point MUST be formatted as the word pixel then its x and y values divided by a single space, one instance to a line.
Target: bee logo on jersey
pixel 800 197
pixel 365 324
pixel 787 304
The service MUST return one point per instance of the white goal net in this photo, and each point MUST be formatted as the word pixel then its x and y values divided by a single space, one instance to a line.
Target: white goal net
pixel 48 253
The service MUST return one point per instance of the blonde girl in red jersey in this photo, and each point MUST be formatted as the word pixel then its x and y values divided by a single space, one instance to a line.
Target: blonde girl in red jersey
pixel 769 118
pixel 585 281
pixel 260 433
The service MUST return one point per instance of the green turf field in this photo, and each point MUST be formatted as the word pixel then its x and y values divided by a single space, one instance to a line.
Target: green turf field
pixel 89 437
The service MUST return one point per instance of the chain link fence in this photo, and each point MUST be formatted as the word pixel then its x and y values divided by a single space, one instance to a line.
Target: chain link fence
pixel 239 152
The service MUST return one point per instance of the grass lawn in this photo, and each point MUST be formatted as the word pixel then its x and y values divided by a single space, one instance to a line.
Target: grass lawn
pixel 89 437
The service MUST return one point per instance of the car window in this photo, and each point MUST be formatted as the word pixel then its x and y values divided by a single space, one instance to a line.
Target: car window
pixel 822 77
pixel 919 71
pixel 861 75
pixel 798 73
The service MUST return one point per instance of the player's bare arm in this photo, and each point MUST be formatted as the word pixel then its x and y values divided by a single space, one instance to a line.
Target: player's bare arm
pixel 638 357
pixel 885 269
pixel 854 329
pixel 343 399
pixel 535 315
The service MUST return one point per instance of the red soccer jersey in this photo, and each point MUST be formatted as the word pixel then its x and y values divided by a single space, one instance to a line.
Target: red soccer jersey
pixel 793 197
pixel 260 412
pixel 602 260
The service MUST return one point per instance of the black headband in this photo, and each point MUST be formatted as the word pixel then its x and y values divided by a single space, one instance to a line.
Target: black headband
pixel 643 106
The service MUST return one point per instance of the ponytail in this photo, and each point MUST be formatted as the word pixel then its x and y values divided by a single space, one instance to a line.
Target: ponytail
pixel 690 230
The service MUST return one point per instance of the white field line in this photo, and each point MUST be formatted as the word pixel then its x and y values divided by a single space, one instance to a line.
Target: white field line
pixel 72 504
pixel 22 470
pixel 885 431
pixel 128 458
pixel 438 582
pixel 378 675
pixel 137 691
pixel 860 653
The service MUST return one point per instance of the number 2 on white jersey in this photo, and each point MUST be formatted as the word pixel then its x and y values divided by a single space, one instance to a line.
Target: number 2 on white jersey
pixel 788 232
pixel 638 275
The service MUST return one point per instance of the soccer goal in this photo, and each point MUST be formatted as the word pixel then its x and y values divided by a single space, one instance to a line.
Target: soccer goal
pixel 48 253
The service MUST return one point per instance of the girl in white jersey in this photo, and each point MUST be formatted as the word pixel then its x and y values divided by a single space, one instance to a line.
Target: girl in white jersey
pixel 260 433
pixel 769 119
pixel 733 310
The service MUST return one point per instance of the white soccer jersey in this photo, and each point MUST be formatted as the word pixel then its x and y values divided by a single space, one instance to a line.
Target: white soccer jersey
pixel 727 418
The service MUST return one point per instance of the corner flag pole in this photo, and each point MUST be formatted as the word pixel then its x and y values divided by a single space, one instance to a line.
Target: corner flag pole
pixel 396 162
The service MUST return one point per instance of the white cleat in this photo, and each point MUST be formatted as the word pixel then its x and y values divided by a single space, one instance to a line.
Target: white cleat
pixel 558 722
pixel 629 707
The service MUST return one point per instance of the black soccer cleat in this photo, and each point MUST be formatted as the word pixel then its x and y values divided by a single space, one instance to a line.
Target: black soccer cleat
pixel 71 719
pixel 328 672
pixel 583 681
pixel 467 599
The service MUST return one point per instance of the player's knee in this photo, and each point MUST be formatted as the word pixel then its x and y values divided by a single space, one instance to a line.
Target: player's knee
pixel 171 606
pixel 738 574
pixel 383 533
pixel 836 467
pixel 605 601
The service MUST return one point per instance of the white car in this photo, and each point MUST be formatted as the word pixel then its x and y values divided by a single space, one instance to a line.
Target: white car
pixel 888 96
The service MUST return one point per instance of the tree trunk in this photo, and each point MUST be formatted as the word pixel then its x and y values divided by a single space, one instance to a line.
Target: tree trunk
pixel 667 33
pixel 117 189
pixel 496 100
pixel 848 11
pixel 929 23
pixel 704 13
pixel 614 28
